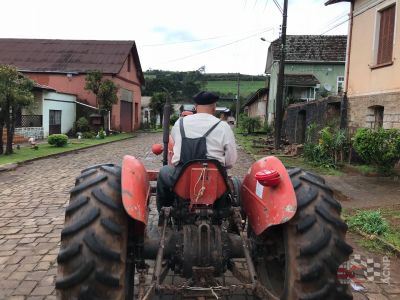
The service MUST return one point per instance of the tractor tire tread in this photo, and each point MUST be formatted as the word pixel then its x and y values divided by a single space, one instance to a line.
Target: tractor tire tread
pixel 68 253
pixel 111 226
pixel 86 184
pixel 99 248
pixel 83 222
pixel 92 262
pixel 77 204
pixel 76 277
pixel 105 199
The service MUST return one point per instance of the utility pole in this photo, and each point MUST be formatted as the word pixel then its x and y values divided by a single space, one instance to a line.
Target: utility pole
pixel 281 81
pixel 166 119
pixel 238 101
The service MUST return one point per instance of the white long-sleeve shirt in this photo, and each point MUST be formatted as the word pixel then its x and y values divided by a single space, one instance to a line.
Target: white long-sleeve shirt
pixel 221 143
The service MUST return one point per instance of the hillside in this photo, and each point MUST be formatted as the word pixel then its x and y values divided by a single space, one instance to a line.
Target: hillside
pixel 230 87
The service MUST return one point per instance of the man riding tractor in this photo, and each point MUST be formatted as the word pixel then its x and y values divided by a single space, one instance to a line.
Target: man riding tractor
pixel 283 223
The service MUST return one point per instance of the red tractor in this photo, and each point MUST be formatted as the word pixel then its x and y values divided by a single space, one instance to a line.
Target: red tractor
pixel 284 223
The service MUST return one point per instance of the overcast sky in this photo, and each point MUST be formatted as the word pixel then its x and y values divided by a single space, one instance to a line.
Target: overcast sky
pixel 175 34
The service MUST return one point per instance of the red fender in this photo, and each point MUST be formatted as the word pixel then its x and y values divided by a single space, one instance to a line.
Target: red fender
pixel 135 188
pixel 266 206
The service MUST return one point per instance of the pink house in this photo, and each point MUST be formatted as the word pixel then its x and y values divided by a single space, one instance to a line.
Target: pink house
pixel 63 65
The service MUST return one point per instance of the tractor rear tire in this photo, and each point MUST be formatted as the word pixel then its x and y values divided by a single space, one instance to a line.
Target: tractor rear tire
pixel 92 259
pixel 300 259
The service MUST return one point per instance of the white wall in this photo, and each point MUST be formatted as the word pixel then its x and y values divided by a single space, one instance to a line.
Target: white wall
pixel 58 101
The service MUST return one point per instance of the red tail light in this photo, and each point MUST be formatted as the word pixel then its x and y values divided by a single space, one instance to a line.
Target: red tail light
pixel 268 178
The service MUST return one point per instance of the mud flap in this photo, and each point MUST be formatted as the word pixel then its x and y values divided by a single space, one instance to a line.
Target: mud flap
pixel 267 206
pixel 135 189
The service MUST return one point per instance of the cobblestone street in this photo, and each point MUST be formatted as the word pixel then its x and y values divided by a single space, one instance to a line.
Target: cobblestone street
pixel 33 199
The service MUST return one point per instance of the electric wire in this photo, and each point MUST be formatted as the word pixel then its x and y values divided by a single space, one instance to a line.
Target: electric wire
pixel 200 40
pixel 354 16
pixel 218 47
pixel 278 6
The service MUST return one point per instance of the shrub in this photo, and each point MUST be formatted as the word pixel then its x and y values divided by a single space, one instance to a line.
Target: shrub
pixel 82 125
pixel 329 150
pixel 102 133
pixel 58 140
pixel 378 147
pixel 370 222
pixel 249 124
pixel 88 135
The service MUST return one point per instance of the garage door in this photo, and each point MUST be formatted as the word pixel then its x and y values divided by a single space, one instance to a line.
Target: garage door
pixel 126 116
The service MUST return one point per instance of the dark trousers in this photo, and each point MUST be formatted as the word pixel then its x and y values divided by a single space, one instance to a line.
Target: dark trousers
pixel 165 182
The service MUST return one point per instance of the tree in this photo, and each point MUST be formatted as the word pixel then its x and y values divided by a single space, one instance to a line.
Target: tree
pixel 107 95
pixel 104 90
pixel 157 103
pixel 15 94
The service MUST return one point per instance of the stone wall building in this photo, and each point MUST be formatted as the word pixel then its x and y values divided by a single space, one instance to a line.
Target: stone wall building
pixel 372 79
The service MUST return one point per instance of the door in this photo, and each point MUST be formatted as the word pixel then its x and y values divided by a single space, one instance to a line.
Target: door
pixel 54 121
pixel 126 116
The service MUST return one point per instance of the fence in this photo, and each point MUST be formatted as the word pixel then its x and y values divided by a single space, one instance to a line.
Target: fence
pixel 29 121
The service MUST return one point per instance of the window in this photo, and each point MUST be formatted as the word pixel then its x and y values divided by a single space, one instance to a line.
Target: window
pixel 340 85
pixel 375 116
pixel 386 35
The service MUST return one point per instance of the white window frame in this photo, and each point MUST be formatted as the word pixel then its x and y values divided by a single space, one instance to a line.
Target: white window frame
pixel 337 83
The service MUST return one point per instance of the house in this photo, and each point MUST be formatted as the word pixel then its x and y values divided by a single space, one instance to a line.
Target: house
pixel 372 82
pixel 314 68
pixel 256 104
pixel 63 65
pixel 52 112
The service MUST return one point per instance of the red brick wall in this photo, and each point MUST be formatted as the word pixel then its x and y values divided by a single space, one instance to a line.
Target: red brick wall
pixel 76 85
pixel 17 138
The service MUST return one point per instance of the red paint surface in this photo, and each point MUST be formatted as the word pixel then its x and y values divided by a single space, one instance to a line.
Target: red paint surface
pixel 276 205
pixel 135 188
pixel 196 177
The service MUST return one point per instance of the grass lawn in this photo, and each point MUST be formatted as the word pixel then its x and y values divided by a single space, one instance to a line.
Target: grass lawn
pixel 385 221
pixel 225 87
pixel 27 153
pixel 247 143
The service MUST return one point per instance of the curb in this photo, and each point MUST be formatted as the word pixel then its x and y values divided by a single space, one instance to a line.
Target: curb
pixel 384 243
pixel 13 166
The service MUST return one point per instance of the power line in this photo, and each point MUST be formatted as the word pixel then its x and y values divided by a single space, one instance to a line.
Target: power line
pixel 266 4
pixel 354 15
pixel 218 47
pixel 199 40
pixel 278 6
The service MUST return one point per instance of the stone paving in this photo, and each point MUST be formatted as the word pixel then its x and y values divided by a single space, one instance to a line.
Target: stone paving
pixel 32 202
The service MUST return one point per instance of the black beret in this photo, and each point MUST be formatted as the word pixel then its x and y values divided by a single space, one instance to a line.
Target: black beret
pixel 205 98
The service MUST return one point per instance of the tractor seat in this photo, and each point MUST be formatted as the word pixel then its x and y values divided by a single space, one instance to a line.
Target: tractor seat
pixel 202 182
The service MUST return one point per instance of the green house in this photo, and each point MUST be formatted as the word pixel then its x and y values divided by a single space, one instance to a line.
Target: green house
pixel 314 68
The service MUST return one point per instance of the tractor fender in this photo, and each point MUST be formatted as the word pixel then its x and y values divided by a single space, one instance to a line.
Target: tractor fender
pixel 135 189
pixel 266 206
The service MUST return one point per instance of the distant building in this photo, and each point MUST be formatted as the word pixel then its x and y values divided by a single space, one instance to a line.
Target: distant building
pixel 372 67
pixel 63 65
pixel 256 104
pixel 314 68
